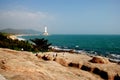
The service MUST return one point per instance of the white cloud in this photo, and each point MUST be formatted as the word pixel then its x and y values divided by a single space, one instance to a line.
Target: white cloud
pixel 24 19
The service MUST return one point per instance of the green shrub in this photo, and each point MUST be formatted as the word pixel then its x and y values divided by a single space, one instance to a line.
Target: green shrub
pixel 40 44
pixel 6 42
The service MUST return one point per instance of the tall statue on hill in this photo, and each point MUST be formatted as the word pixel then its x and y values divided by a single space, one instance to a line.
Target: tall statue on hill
pixel 45 32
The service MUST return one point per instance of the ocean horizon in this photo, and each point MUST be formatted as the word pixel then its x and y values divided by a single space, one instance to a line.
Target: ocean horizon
pixel 102 44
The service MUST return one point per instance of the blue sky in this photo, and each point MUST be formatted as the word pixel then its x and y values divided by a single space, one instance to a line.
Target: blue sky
pixel 62 16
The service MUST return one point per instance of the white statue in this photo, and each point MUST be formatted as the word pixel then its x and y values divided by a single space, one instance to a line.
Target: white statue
pixel 45 32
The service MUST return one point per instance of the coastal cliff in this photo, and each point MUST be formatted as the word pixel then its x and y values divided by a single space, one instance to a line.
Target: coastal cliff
pixel 22 65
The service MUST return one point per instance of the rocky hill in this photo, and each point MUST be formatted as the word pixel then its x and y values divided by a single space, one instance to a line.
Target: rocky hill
pixel 20 31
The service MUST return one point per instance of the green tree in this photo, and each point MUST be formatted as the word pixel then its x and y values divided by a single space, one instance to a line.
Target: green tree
pixel 41 44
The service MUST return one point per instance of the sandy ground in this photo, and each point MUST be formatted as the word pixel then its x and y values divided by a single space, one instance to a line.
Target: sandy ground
pixel 13 37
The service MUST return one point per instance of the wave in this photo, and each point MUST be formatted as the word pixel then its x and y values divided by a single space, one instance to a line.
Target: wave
pixel 21 39
pixel 114 56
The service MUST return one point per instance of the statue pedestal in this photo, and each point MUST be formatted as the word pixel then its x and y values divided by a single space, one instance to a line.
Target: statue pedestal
pixel 45 33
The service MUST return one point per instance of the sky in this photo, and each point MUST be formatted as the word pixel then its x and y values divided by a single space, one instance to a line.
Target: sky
pixel 62 16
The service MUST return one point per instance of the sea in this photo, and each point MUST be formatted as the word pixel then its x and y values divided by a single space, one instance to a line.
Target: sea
pixel 104 45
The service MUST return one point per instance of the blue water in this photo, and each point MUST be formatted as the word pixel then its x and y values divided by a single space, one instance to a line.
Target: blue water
pixel 101 44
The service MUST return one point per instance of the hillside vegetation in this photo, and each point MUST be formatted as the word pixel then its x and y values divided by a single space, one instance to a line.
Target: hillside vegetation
pixel 39 44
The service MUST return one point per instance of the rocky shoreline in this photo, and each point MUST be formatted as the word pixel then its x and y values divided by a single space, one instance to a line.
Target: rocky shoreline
pixel 22 65
pixel 97 65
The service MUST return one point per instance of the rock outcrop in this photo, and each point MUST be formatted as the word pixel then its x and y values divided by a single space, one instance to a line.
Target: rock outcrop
pixel 96 65
pixel 99 59
pixel 21 65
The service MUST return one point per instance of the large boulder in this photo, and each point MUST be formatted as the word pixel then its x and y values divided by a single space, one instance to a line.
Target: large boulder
pixel 99 59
